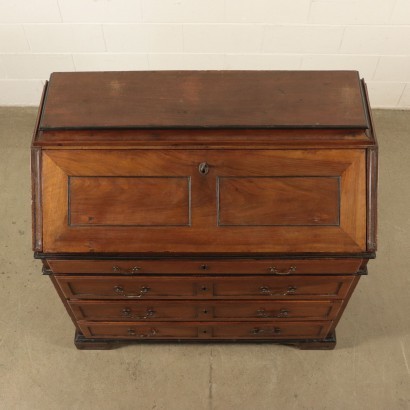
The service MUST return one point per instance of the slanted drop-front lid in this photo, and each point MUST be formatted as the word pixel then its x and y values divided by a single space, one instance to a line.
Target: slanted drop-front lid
pixel 204 100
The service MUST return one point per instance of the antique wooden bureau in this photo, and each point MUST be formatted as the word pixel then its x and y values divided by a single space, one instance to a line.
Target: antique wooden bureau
pixel 204 205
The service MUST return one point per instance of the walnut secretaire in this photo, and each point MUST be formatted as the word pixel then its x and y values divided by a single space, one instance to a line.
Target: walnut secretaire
pixel 205 206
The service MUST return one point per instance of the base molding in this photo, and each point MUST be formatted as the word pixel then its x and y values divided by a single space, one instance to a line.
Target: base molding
pixel 86 343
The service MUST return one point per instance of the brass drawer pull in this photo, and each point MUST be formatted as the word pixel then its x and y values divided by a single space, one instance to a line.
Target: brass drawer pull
pixel 132 332
pixel 127 312
pixel 265 314
pixel 258 331
pixel 275 271
pixel 132 271
pixel 283 313
pixel 203 168
pixel 266 290
pixel 120 291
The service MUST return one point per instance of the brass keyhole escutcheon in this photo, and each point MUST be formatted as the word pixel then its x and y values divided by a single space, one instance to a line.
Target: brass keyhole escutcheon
pixel 203 168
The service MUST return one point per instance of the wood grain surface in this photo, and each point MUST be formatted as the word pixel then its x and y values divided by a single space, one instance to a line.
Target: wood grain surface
pixel 204 99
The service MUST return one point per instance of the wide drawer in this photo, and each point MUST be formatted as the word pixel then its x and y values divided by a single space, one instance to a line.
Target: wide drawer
pixel 148 287
pixel 208 266
pixel 193 330
pixel 136 310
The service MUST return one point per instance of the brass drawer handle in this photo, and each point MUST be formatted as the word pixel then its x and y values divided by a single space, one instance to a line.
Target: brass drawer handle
pixel 265 314
pixel 120 291
pixel 283 313
pixel 131 271
pixel 203 168
pixel 275 271
pixel 266 290
pixel 258 331
pixel 127 312
pixel 132 332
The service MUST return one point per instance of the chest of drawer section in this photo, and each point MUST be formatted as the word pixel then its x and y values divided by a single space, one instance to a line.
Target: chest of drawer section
pixel 225 299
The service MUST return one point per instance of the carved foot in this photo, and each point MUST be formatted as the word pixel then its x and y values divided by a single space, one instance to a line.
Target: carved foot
pixel 83 343
pixel 329 343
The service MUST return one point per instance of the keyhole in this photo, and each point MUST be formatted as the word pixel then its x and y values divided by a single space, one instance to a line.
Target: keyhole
pixel 203 168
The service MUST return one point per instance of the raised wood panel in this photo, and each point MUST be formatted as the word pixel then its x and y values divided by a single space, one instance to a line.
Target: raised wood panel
pixel 204 235
pixel 287 201
pixel 127 201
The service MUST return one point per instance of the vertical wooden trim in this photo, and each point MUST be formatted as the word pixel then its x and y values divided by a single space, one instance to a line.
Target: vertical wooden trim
pixel 36 202
pixel 372 176
pixel 366 101
pixel 39 113
pixel 344 304
pixel 36 211
pixel 64 300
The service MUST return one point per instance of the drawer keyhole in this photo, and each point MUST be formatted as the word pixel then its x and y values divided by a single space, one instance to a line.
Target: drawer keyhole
pixel 203 168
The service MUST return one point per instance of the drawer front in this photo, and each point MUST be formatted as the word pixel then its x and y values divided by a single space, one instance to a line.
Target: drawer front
pixel 283 287
pixel 302 287
pixel 208 266
pixel 205 311
pixel 194 330
pixel 264 201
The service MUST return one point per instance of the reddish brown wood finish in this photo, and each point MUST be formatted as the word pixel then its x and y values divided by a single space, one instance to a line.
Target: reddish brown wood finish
pixel 271 267
pixel 128 201
pixel 210 310
pixel 36 204
pixel 194 330
pixel 177 287
pixel 64 300
pixel 204 234
pixel 36 201
pixel 205 206
pixel 287 201
pixel 249 139
pixel 204 99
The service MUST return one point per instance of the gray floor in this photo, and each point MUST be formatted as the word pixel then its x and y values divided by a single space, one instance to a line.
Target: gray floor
pixel 41 369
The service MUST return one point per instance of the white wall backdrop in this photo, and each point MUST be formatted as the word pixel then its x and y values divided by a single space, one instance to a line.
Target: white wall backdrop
pixel 38 37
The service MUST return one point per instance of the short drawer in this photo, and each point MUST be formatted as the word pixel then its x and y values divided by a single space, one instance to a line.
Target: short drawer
pixel 208 266
pixel 148 287
pixel 193 330
pixel 137 310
